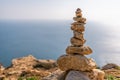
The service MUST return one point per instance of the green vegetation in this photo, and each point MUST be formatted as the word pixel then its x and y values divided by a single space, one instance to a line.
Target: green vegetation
pixel 110 77
pixel 118 67
pixel 29 78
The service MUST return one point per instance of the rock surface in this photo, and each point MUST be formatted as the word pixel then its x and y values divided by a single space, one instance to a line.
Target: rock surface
pixel 56 75
pixel 78 27
pixel 83 50
pixel 98 74
pixel 24 62
pixel 29 66
pixel 111 69
pixel 13 72
pixel 76 75
pixel 77 23
pixel 77 42
pixel 75 62
pixel 79 19
pixel 47 64
pixel 78 12
pixel 110 66
pixel 113 72
pixel 1 72
pixel 78 35
pixel 95 74
pixel 1 67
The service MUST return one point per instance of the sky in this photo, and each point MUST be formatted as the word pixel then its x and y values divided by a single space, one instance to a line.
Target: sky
pixel 104 11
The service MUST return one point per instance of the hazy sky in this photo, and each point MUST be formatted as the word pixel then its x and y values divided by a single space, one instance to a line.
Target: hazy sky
pixel 107 11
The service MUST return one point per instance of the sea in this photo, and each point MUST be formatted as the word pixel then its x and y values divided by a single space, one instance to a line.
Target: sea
pixel 48 39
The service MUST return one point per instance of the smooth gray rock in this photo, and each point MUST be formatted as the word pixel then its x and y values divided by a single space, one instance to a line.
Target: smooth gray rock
pixel 76 75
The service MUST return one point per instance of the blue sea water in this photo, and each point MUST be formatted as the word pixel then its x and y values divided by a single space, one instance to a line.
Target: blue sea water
pixel 49 39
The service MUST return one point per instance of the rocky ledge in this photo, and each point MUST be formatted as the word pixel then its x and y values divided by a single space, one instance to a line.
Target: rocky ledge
pixel 26 67
pixel 47 70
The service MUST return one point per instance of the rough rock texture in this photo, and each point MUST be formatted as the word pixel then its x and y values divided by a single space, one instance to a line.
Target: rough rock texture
pixel 32 62
pixel 78 24
pixel 78 35
pixel 2 77
pixel 47 64
pixel 99 75
pixel 79 19
pixel 79 27
pixel 78 13
pixel 75 62
pixel 25 62
pixel 1 67
pixel 56 75
pixel 77 42
pixel 29 66
pixel 95 74
pixel 1 72
pixel 76 75
pixel 114 72
pixel 111 69
pixel 110 66
pixel 40 70
pixel 83 50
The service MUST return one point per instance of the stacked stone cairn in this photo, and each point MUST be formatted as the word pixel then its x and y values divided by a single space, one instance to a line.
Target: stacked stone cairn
pixel 76 65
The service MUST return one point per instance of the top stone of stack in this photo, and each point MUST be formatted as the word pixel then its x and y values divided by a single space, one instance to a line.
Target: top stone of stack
pixel 78 12
pixel 78 17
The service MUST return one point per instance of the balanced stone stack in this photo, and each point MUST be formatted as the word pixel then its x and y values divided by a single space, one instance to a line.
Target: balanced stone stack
pixel 74 61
